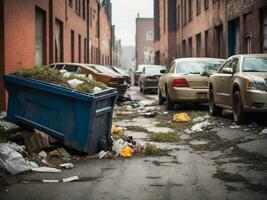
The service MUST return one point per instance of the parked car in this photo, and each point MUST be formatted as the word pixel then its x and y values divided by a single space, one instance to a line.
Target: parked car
pixel 149 77
pixel 186 80
pixel 100 73
pixel 240 85
pixel 137 74
pixel 126 76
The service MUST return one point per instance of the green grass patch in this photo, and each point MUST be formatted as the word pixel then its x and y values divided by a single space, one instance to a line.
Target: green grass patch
pixel 153 150
pixel 164 137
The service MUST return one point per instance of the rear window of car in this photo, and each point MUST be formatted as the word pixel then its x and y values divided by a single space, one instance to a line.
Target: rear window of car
pixel 255 64
pixel 59 67
pixel 153 70
pixel 197 67
pixel 71 68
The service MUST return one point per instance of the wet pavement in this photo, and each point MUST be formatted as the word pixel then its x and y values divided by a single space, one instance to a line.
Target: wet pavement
pixel 222 162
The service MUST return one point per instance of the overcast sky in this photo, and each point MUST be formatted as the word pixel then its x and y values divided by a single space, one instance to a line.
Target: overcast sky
pixel 124 13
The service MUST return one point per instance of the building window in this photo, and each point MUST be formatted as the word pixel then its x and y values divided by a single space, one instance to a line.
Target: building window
pixel 184 12
pixel 83 9
pixel 206 43
pixel 78 7
pixel 198 45
pixel 72 45
pixel 178 17
pixel 198 7
pixel 40 36
pixel 206 4
pixel 58 41
pixel 248 45
pixel 79 48
pixel 219 41
pixel 189 47
pixel 184 48
pixel 189 10
pixel 149 35
pixel 70 3
pixel 85 50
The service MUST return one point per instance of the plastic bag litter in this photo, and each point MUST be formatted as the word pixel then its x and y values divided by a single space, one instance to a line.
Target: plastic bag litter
pixel 13 161
pixel 66 74
pixel 127 152
pixel 181 117
pixel 264 131
pixel 200 127
pixel 119 145
pixel 46 169
pixel 16 147
pixel 69 179
pixel 74 83
pixel 200 118
pixel 67 165
pixel 97 89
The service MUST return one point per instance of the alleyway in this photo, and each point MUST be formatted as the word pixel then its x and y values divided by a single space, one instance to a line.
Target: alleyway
pixel 226 162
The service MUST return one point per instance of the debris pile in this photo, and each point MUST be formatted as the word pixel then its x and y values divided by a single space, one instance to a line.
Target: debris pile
pixel 80 82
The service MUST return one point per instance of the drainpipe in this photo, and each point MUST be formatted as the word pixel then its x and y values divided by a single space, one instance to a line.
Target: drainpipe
pixel 2 55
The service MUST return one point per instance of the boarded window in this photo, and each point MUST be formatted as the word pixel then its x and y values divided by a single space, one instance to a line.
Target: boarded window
pixel 58 41
pixel 72 45
pixel 198 45
pixel 40 37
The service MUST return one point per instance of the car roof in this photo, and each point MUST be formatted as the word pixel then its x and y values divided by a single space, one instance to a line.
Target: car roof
pixel 198 58
pixel 251 55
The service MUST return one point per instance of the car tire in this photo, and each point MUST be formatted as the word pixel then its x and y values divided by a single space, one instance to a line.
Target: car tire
pixel 213 108
pixel 169 102
pixel 238 110
pixel 161 99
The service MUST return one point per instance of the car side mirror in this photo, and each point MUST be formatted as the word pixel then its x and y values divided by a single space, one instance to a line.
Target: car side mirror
pixel 163 71
pixel 228 70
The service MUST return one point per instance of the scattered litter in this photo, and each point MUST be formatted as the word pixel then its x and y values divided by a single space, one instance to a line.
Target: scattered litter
pixel 264 131
pixel 50 181
pixel 74 83
pixel 200 127
pixel 35 142
pixel 16 147
pixel 188 131
pixel 55 153
pixel 165 113
pixel 8 126
pixel 42 154
pixel 231 148
pixel 64 152
pixel 150 114
pixel 13 161
pixel 235 127
pixel 127 152
pixel 102 154
pixel 201 118
pixel 119 145
pixel 97 89
pixel 116 129
pixel 72 178
pixel 67 165
pixel 181 117
pixel 46 169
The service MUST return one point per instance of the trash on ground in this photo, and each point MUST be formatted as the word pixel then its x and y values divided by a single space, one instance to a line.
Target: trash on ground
pixel 201 118
pixel 42 154
pixel 119 145
pixel 50 181
pixel 127 152
pixel 200 127
pixel 13 161
pixel 8 126
pixel 181 117
pixel 67 165
pixel 70 179
pixel 150 114
pixel 264 131
pixel 64 152
pixel 35 142
pixel 116 129
pixel 46 169
pixel 16 147
pixel 235 127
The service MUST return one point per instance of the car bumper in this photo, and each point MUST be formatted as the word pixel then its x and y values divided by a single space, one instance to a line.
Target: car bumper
pixel 188 95
pixel 151 84
pixel 255 101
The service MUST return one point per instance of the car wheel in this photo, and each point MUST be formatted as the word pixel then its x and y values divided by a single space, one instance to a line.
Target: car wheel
pixel 213 108
pixel 161 99
pixel 239 113
pixel 169 102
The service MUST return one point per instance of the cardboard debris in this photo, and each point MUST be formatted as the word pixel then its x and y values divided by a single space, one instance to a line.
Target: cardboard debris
pixel 35 142
pixel 181 118
pixel 116 129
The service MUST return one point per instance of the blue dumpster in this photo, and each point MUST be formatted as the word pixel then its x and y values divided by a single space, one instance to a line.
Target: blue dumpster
pixel 79 119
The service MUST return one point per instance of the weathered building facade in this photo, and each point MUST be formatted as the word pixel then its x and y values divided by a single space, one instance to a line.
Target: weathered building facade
pixel 209 28
pixel 40 32
pixel 144 40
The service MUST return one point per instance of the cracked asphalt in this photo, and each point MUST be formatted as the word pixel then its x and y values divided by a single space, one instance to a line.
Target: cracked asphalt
pixel 223 162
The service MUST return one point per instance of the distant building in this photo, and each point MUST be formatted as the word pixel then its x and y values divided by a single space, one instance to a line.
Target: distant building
pixel 208 28
pixel 39 32
pixel 144 40
pixel 128 57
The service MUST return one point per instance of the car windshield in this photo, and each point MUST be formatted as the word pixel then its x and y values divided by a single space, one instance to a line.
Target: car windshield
pixel 255 65
pixel 197 67
pixel 153 70
pixel 101 69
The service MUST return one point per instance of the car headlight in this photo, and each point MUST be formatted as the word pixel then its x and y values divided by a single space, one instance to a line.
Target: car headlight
pixel 256 85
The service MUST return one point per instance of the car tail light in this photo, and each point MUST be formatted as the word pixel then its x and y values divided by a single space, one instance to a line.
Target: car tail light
pixel 181 82
pixel 113 81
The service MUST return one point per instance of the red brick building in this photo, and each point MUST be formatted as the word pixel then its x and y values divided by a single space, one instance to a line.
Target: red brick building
pixel 39 32
pixel 144 40
pixel 209 28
